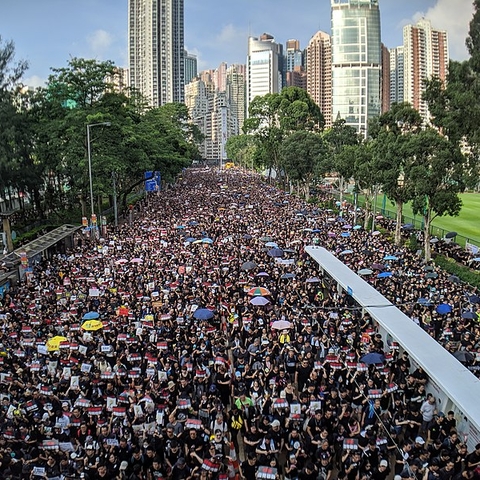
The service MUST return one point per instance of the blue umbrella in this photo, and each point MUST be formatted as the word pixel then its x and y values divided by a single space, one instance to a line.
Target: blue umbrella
pixel 286 276
pixel 357 227
pixel 193 223
pixel 444 308
pixel 408 226
pixel 346 252
pixel 474 299
pixel 190 239
pixel 271 245
pixel 384 275
pixel 317 230
pixel 91 316
pixel 207 240
pixel 203 314
pixel 390 257
pixel 470 315
pixel 425 302
pixel 275 252
pixel 372 358
pixel 345 234
pixel 247 236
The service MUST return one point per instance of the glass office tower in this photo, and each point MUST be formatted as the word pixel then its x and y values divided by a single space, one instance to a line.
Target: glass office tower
pixel 356 62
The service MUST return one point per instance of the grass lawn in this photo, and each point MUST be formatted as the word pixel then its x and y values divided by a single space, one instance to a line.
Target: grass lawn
pixel 467 224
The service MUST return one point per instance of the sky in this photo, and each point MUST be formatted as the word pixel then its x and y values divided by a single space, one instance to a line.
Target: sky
pixel 47 33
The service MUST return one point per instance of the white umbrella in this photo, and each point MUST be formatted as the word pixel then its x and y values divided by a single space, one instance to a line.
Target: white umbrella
pixel 281 325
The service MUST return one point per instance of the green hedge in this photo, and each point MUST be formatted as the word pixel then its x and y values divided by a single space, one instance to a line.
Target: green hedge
pixel 464 273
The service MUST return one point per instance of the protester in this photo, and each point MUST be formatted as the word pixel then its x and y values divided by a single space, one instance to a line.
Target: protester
pixel 199 341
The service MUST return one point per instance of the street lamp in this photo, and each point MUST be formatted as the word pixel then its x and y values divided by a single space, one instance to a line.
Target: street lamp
pixel 89 150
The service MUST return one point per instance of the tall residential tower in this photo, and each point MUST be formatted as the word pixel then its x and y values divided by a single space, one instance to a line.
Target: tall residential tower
pixel 318 59
pixel 156 49
pixel 356 61
pixel 425 56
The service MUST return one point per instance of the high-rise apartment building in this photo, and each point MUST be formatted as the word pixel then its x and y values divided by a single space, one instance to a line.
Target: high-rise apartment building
pixel 156 49
pixel 356 61
pixel 318 60
pixel 235 88
pixel 425 56
pixel 294 74
pixel 293 55
pixel 296 78
pixel 264 67
pixel 220 77
pixel 385 79
pixel 396 75
pixel 218 114
pixel 190 67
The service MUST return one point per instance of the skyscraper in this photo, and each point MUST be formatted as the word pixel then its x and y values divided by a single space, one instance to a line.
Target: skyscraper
pixel 156 49
pixel 293 55
pixel 318 59
pixel 294 74
pixel 396 75
pixel 425 56
pixel 190 67
pixel 264 67
pixel 236 96
pixel 385 79
pixel 356 61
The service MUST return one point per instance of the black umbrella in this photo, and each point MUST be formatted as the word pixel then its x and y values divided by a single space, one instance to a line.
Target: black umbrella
pixel 463 356
pixel 451 235
pixel 248 266
pixel 454 279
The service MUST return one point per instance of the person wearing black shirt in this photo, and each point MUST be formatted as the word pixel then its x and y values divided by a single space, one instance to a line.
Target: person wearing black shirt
pixel 473 459
pixel 248 468
pixel 382 471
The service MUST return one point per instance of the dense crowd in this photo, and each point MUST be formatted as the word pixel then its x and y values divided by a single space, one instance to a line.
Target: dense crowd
pixel 200 341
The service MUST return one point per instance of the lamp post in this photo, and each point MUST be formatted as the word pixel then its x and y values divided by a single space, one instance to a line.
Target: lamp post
pixel 89 151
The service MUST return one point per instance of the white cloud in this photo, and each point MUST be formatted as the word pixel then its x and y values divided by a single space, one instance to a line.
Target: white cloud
pixel 100 42
pixel 35 81
pixel 229 44
pixel 454 17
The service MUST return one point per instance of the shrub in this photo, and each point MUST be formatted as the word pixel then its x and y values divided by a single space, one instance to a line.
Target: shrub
pixel 464 273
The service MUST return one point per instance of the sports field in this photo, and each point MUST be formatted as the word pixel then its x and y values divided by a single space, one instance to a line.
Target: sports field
pixel 467 224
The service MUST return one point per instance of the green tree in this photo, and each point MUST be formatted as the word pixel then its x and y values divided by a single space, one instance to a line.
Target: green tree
pixel 301 153
pixel 138 139
pixel 455 104
pixel 391 133
pixel 361 158
pixel 241 149
pixel 274 116
pixel 18 172
pixel 337 138
pixel 436 177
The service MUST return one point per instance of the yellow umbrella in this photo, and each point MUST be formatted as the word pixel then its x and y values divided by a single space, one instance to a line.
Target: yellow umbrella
pixel 53 344
pixel 92 325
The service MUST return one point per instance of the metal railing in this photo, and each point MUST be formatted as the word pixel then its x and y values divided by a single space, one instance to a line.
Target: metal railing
pixel 417 221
